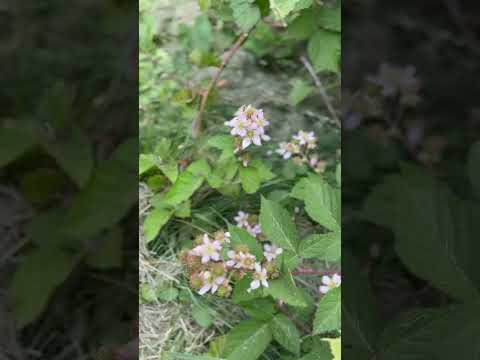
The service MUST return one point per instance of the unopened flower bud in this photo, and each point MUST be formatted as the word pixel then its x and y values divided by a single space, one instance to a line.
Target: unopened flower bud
pixel 238 275
pixel 225 290
pixel 218 269
pixel 196 281
pixel 272 270
pixel 242 248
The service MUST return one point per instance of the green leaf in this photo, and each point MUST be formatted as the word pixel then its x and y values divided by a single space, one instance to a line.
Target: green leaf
pixel 324 206
pixel 74 155
pixel 226 143
pixel 202 315
pixel 327 316
pixel 360 324
pixel 145 163
pixel 12 148
pixel 36 279
pixel 260 309
pixel 180 356
pixel 242 237
pixel 322 202
pixel 335 348
pixel 216 346
pixel 264 172
pixel 154 222
pixel 250 179
pixel 98 206
pixel 377 207
pixel 185 186
pixel 300 91
pixel 240 293
pixel 278 226
pixel 285 333
pixel 281 8
pixel 324 50
pixel 245 13
pixel 168 293
pixel 284 289
pixel 303 26
pixel 330 18
pixel 184 210
pixel 427 334
pixel 147 293
pixel 170 170
pixel 325 247
pixel 427 211
pixel 109 253
pixel 473 167
pixel 247 340
pixel 202 34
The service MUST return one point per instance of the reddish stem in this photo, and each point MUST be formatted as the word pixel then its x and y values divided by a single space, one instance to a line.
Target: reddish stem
pixel 307 271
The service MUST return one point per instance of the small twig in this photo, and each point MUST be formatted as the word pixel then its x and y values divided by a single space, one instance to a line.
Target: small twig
pixel 321 88
pixel 197 124
pixel 301 326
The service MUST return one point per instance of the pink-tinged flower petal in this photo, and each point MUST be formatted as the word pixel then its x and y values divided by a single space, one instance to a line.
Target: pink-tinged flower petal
pixel 255 284
pixel 205 288
pixel 205 259
pixel 246 143
pixel 214 288
pixel 231 254
pixel 258 268
pixel 197 250
pixel 279 251
pixel 219 280
pixel 324 289
pixel 265 283
pixel 326 280
pixel 215 256
pixel 337 280
pixel 266 137
pixel 217 245
pixel 206 240
pixel 230 263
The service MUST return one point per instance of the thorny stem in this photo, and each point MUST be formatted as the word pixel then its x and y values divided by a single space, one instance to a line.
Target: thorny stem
pixel 302 327
pixel 197 124
pixel 321 88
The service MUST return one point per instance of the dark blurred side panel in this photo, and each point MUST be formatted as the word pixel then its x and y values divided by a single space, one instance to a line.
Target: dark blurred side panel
pixel 411 180
pixel 68 180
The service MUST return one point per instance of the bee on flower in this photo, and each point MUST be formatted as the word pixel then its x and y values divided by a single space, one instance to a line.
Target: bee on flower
pixel 209 250
pixel 249 126
pixel 330 282
pixel 271 252
pixel 260 277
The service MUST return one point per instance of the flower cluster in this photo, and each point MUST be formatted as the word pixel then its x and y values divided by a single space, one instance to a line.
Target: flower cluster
pixel 214 266
pixel 250 223
pixel 300 148
pixel 249 127
pixel 330 282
